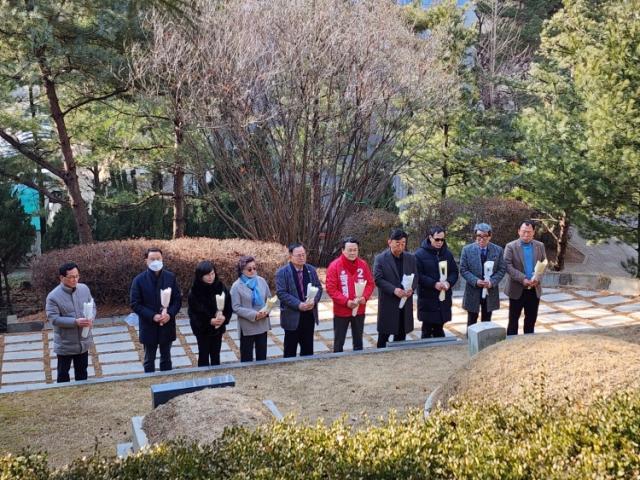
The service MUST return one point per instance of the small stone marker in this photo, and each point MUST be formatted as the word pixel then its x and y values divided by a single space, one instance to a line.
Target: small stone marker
pixel 164 392
pixel 484 334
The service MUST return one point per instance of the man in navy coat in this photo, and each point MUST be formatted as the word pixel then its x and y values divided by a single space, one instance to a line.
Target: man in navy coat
pixel 298 314
pixel 156 328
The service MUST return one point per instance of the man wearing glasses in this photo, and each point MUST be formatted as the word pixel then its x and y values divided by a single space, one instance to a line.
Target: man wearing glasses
pixel 523 290
pixel 65 311
pixel 472 268
pixel 433 312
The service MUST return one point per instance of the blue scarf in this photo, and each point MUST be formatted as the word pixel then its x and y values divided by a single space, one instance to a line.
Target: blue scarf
pixel 252 283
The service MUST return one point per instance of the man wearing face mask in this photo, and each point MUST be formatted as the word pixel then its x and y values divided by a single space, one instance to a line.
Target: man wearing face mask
pixel 157 329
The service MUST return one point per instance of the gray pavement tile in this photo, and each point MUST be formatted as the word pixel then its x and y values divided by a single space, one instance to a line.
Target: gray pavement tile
pixel 117 357
pixel 122 368
pixel 323 326
pixel 177 362
pixel 182 322
pixel 114 347
pixel 631 307
pixel 328 334
pixel 586 293
pixel 31 337
pixel 614 320
pixel 319 347
pixel 90 373
pixel 54 361
pixel 109 330
pixel 592 313
pixel 223 347
pixel 24 355
pixel 279 330
pixel 543 308
pixel 21 347
pixel 191 339
pixel 367 329
pixel 611 300
pixel 186 330
pixel 117 337
pixel 556 297
pixel 177 351
pixel 23 377
pixel 274 351
pixel 503 296
pixel 270 342
pixel 22 366
pixel 567 327
pixel 23 387
pixel 226 357
pixel 558 317
pixel 550 290
pixel 572 305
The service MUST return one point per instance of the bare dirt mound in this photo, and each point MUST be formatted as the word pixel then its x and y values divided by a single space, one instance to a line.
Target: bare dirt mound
pixel 576 366
pixel 202 416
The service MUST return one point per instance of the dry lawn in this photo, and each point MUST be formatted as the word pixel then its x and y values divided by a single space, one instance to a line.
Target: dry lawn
pixel 74 421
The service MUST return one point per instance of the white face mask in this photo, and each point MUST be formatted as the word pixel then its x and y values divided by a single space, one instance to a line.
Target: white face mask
pixel 155 266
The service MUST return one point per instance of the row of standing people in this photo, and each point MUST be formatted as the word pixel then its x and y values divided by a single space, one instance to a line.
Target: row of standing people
pixel 298 314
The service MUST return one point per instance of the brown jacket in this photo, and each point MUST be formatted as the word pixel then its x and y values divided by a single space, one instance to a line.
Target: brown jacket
pixel 514 258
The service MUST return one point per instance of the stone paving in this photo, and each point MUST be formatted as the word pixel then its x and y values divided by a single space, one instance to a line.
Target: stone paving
pixel 28 360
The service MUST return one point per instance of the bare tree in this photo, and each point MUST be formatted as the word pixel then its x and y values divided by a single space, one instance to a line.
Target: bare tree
pixel 300 103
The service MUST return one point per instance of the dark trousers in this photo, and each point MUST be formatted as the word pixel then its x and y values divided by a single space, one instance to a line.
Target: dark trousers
pixel 340 326
pixel 528 301
pixel 432 330
pixel 249 342
pixel 209 349
pixel 150 350
pixel 80 363
pixel 383 338
pixel 302 336
pixel 472 317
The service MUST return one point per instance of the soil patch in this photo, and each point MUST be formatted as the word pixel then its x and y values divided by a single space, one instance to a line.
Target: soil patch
pixel 202 416
pixel 574 365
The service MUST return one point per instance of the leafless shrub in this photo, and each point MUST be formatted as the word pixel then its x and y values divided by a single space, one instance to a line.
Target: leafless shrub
pixel 300 103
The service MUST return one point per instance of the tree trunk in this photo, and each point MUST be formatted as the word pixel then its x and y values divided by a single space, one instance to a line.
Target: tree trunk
pixel 70 178
pixel 638 246
pixel 5 274
pixel 563 241
pixel 178 183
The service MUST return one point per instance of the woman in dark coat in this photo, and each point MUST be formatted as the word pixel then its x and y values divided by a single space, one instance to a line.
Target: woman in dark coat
pixel 207 322
pixel 432 312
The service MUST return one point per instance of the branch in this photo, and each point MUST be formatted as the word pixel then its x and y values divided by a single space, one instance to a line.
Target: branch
pixel 29 183
pixel 94 99
pixel 30 154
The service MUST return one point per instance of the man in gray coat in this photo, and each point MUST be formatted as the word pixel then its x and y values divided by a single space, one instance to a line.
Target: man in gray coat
pixel 388 269
pixel 65 311
pixel 472 263
pixel 523 290
pixel 298 314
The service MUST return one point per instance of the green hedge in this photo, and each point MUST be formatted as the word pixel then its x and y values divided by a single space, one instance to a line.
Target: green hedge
pixel 467 441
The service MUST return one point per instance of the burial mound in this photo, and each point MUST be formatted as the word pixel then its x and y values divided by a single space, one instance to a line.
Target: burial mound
pixel 202 416
pixel 577 366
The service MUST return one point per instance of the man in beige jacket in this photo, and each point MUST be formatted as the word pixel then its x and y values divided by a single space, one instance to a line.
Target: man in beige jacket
pixel 523 291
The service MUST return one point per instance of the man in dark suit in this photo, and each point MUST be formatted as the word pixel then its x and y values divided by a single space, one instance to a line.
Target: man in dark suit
pixel 522 289
pixel 388 270
pixel 472 263
pixel 156 327
pixel 298 314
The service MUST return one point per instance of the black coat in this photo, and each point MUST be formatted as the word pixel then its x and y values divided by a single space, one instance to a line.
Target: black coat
pixel 203 307
pixel 145 302
pixel 430 308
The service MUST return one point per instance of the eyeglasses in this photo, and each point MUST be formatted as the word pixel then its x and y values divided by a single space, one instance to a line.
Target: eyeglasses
pixel 72 277
pixel 251 269
pixel 438 239
pixel 482 236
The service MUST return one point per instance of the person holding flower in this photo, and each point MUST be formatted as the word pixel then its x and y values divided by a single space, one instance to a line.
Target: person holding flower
pixel 249 296
pixel 157 322
pixel 349 284
pixel 206 319
pixel 437 274
pixel 298 312
pixel 524 291
pixel 474 262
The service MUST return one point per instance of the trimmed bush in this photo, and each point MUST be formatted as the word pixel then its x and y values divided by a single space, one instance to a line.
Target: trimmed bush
pixel 109 267
pixel 371 227
pixel 530 440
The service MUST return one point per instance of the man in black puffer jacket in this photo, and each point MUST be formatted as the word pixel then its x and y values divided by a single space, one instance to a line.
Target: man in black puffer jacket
pixel 432 312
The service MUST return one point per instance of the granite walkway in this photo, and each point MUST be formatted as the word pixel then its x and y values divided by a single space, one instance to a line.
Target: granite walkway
pixel 27 360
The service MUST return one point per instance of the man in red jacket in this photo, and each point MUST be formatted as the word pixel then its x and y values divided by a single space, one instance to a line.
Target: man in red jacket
pixel 342 275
